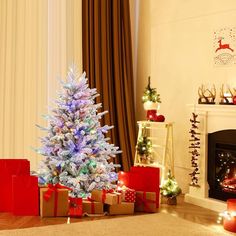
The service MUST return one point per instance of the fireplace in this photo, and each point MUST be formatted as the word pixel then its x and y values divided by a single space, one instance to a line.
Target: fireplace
pixel 213 120
pixel 221 175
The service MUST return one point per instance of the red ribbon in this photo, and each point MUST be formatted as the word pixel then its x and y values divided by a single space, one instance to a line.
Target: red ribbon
pixel 54 189
pixel 104 192
pixel 92 205
pixel 144 201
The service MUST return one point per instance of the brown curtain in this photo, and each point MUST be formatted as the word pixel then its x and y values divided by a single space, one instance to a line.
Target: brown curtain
pixel 107 60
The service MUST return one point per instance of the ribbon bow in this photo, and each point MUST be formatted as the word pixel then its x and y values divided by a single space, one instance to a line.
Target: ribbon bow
pixel 104 192
pixel 54 189
pixel 92 205
pixel 144 201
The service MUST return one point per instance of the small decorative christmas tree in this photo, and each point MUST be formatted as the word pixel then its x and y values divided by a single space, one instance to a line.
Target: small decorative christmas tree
pixel 75 148
pixel 170 187
pixel 150 94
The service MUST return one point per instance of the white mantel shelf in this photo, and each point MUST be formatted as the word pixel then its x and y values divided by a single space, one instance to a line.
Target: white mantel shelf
pixel 212 118
pixel 212 108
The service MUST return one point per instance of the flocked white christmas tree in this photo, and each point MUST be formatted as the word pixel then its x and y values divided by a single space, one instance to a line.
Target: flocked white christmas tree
pixel 76 150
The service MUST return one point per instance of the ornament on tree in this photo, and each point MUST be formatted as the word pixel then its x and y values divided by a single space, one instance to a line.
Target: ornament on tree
pixel 77 153
pixel 194 147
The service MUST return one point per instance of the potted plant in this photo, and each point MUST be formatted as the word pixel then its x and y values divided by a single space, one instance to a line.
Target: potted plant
pixel 151 98
pixel 170 189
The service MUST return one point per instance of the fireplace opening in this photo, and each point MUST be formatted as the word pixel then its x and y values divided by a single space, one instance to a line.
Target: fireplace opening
pixel 221 174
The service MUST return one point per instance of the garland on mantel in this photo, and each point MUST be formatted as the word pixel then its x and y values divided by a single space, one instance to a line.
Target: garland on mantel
pixel 194 149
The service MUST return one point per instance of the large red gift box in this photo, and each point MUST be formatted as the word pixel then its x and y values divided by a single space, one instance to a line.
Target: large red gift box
pixel 8 168
pixel 142 179
pixel 151 175
pixel 25 196
pixel 131 180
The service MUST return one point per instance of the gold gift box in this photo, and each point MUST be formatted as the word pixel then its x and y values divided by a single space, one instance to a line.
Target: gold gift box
pixel 149 198
pixel 88 208
pixel 47 207
pixel 110 198
pixel 125 208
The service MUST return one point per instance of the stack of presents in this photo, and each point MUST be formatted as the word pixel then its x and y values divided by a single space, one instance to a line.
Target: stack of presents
pixel 138 190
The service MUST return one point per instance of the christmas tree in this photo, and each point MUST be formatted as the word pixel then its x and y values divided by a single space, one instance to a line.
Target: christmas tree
pixel 170 187
pixel 76 151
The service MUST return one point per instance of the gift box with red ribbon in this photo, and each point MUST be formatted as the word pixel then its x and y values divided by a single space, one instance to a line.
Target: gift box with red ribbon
pixel 127 194
pixel 106 196
pixel 25 197
pixel 75 207
pixel 92 207
pixel 145 201
pixel 8 168
pixel 125 208
pixel 54 201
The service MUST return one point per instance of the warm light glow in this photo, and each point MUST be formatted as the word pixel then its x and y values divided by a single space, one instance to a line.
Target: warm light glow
pixel 227 214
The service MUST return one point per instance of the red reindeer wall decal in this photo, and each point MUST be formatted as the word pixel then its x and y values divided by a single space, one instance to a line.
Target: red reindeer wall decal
pixel 223 46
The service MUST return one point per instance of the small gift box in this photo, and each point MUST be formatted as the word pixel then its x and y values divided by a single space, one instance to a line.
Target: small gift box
pixel 92 207
pixel 75 207
pixel 8 168
pixel 145 201
pixel 128 195
pixel 106 196
pixel 54 201
pixel 25 197
pixel 125 208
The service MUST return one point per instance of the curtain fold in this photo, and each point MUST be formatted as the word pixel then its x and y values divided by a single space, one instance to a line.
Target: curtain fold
pixel 23 76
pixel 107 60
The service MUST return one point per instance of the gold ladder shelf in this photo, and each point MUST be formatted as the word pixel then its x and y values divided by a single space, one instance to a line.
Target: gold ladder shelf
pixel 161 136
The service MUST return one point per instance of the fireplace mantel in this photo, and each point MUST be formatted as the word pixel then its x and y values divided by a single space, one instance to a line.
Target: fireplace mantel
pixel 212 118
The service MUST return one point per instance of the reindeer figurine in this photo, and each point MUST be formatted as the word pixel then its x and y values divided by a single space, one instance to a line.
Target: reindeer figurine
pixel 206 96
pixel 223 46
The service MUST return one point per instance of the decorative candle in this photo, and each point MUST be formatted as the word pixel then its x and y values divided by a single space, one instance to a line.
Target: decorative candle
pixel 230 216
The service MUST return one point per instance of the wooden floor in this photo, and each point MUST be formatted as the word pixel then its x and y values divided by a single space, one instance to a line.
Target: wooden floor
pixel 183 210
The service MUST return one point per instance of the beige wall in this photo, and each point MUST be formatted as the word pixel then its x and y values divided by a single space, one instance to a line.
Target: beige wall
pixel 178 36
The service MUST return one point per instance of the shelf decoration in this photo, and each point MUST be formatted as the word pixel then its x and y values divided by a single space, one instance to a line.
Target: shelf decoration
pixel 227 96
pixel 194 149
pixel 144 148
pixel 206 95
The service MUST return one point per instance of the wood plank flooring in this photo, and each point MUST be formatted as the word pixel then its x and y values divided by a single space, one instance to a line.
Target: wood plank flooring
pixel 183 210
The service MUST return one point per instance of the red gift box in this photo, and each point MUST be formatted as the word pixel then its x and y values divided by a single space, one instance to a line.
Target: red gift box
pixel 131 180
pixel 150 180
pixel 76 207
pixel 9 167
pixel 25 196
pixel 151 174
